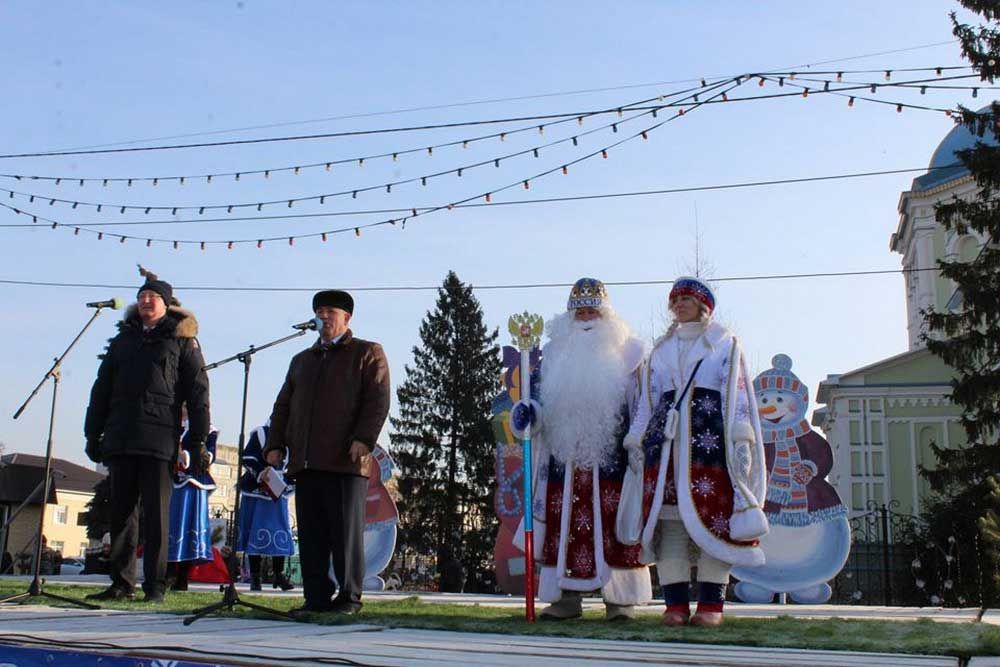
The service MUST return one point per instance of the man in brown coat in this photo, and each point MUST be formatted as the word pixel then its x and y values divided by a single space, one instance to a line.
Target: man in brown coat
pixel 326 420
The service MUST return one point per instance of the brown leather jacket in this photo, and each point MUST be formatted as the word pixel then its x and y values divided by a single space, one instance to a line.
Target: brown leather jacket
pixel 332 395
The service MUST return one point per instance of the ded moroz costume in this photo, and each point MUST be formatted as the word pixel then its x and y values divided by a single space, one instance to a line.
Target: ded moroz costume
pixel 586 393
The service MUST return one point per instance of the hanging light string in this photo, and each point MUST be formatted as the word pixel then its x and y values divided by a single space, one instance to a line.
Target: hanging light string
pixel 533 150
pixel 356 133
pixel 562 118
pixel 181 179
pixel 503 286
pixel 805 91
pixel 354 192
pixel 515 202
pixel 414 213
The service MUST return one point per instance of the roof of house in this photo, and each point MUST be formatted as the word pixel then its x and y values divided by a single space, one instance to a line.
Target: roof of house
pixel 68 475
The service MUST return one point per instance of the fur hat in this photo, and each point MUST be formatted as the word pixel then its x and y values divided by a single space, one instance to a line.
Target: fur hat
pixel 694 287
pixel 587 293
pixel 154 284
pixel 334 298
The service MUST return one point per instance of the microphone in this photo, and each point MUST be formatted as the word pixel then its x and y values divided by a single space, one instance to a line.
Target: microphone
pixel 115 304
pixel 309 325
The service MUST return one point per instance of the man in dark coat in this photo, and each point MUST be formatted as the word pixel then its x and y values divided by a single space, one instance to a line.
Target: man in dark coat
pixel 133 425
pixel 327 417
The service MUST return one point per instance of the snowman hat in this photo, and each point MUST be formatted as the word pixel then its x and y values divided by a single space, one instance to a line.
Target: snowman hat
pixel 780 377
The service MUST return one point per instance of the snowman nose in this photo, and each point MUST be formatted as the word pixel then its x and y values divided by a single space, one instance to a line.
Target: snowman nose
pixel 768 409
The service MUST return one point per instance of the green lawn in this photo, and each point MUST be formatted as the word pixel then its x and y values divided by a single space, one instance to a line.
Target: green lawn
pixel 923 636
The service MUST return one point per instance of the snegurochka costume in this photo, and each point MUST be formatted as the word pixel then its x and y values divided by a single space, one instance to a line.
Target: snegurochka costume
pixel 704 472
pixel 190 537
pixel 265 526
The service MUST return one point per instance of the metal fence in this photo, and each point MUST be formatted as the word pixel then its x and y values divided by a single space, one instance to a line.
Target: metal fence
pixel 894 561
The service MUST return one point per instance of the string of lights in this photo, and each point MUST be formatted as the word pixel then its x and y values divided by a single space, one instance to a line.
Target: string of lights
pixel 495 100
pixel 387 187
pixel 543 200
pixel 355 133
pixel 487 196
pixel 503 286
pixel 495 161
pixel 296 169
pixel 805 91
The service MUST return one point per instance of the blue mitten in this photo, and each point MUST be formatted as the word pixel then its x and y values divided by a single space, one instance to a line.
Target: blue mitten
pixel 522 415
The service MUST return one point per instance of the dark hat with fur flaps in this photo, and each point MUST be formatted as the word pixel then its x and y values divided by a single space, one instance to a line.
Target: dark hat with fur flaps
pixel 334 298
pixel 154 284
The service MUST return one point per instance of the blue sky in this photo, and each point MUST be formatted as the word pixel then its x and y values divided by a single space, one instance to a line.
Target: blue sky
pixel 89 74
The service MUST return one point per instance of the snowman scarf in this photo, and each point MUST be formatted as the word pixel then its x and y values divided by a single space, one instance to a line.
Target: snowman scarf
pixel 784 488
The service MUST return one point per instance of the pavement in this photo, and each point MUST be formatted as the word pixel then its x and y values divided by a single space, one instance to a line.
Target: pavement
pixel 232 641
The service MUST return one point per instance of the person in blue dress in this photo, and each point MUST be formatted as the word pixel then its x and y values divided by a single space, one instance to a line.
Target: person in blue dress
pixel 265 527
pixel 190 536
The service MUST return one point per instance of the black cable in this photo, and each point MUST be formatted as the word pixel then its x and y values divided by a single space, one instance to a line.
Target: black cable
pixel 327 164
pixel 511 99
pixel 510 286
pixel 414 213
pixel 327 135
pixel 354 192
pixel 543 200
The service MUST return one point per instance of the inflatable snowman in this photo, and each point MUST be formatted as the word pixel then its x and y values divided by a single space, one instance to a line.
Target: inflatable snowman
pixel 810 537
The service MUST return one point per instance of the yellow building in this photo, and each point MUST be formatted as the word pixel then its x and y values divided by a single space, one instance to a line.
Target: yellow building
pixel 65 518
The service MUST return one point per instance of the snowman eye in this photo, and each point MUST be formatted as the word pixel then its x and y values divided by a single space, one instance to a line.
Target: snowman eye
pixel 764 401
pixel 781 400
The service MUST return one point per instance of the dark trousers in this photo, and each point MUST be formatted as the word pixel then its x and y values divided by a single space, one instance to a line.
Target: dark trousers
pixel 136 479
pixel 330 512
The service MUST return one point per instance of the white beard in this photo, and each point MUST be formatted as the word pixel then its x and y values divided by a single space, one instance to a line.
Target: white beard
pixel 583 387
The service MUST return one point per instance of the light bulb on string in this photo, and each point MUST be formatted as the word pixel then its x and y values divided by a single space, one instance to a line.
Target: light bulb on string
pixel 76 231
pixel 260 244
pixel 100 236
pixel 260 206
pixel 791 76
pixel 291 240
pixel 526 186
pixel 488 198
pixel 295 171
pixel 150 208
pixel 182 180
pixel 176 245
pixel 149 242
pixel 975 92
pixel 267 174
pixel 323 237
pixel 760 82
pixel 850 102
pixel 840 77
pixel 565 170
pixel 604 154
pixel 208 179
pixel 874 87
pixel 357 231
pixel 899 108
pixel 203 245
pixel 229 245
pixel 805 92
pixel 888 74
pixel 130 181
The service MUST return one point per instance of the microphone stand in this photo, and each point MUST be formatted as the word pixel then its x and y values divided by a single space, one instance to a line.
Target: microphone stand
pixel 35 588
pixel 230 597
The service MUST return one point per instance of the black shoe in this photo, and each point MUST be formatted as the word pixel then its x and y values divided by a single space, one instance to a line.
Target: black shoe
pixel 255 582
pixel 179 585
pixel 153 597
pixel 282 582
pixel 313 608
pixel 113 592
pixel 345 607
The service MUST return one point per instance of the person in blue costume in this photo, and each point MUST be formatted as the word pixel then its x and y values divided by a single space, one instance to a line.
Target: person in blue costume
pixel 190 537
pixel 265 527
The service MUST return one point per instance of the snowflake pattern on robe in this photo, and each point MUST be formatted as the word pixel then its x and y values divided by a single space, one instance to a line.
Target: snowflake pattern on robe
pixel 708 441
pixel 711 489
pixel 582 540
pixel 703 486
pixel 706 405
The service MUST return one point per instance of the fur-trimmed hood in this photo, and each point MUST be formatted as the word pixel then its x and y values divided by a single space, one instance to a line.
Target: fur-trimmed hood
pixel 184 322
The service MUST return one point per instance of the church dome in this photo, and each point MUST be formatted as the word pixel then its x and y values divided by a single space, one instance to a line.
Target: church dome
pixel 941 171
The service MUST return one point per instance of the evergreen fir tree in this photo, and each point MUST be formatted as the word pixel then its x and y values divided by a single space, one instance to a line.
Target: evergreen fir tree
pixel 442 440
pixel 968 338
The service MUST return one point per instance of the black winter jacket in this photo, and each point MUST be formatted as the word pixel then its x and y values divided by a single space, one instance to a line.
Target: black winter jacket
pixel 145 377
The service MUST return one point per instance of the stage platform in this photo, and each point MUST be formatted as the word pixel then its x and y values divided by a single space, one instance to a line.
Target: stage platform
pixel 48 636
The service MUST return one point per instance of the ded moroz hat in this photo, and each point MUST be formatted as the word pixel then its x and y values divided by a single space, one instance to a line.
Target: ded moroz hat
pixel 587 293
